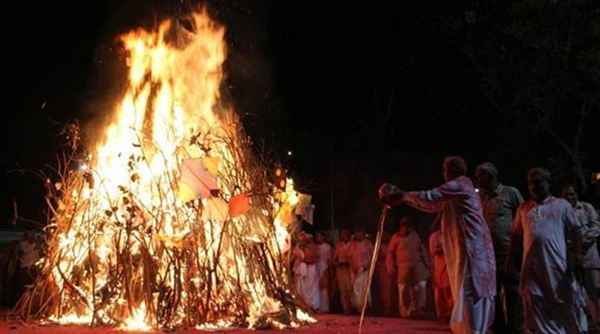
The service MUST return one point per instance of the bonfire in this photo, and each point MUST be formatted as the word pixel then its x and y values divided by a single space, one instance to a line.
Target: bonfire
pixel 168 219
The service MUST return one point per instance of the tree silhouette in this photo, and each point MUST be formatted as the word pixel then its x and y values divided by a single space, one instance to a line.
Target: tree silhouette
pixel 537 64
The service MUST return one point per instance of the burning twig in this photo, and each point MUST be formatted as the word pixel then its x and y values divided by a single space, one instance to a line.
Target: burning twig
pixel 133 243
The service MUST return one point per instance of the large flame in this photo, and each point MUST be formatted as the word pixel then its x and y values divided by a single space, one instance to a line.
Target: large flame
pixel 132 244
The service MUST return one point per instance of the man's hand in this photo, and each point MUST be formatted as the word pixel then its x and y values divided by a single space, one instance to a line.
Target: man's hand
pixel 390 194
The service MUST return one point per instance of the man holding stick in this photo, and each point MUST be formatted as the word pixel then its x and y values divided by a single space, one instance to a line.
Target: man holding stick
pixel 466 240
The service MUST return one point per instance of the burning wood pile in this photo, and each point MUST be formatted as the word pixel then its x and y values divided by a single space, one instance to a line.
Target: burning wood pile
pixel 168 219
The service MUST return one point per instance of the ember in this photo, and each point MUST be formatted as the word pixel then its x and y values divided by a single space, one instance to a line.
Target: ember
pixel 168 219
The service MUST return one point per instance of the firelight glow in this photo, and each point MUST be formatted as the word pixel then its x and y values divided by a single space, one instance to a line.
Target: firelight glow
pixel 125 249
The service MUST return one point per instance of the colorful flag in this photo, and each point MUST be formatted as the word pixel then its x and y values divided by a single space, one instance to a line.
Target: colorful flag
pixel 211 164
pixel 286 214
pixel 215 208
pixel 238 205
pixel 307 213
pixel 304 201
pixel 195 181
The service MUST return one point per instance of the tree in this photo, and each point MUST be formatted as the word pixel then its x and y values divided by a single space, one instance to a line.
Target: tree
pixel 538 65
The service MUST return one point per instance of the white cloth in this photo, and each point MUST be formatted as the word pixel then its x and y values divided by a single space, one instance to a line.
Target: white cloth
pixel 543 316
pixel 590 222
pixel 544 227
pixel 359 282
pixel 466 236
pixel 415 303
pixel 307 284
pixel 324 299
pixel 324 257
pixel 471 314
pixel 547 285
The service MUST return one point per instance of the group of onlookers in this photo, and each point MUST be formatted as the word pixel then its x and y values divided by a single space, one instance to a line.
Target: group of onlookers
pixel 495 262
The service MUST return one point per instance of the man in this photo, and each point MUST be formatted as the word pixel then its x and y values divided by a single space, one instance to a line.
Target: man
pixel 384 285
pixel 442 293
pixel 341 260
pixel 9 264
pixel 552 299
pixel 500 203
pixel 588 217
pixel 323 262
pixel 361 253
pixel 466 241
pixel 306 277
pixel 29 254
pixel 406 258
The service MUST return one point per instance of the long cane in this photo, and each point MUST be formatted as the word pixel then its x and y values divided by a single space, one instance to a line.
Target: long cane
pixel 367 287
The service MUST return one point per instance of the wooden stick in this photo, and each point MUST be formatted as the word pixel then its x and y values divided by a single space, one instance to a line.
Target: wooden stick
pixel 367 286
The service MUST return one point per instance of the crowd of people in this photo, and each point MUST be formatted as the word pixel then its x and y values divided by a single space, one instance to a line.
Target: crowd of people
pixel 495 262
pixel 323 274
pixel 513 265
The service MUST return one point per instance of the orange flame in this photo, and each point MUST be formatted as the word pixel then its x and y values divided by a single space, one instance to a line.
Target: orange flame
pixel 130 251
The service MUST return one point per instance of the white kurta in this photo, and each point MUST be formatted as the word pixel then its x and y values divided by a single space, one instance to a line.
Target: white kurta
pixel 324 257
pixel 307 283
pixel 553 300
pixel 360 259
pixel 468 249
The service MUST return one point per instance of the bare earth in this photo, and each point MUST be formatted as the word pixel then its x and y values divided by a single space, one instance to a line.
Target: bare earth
pixel 328 323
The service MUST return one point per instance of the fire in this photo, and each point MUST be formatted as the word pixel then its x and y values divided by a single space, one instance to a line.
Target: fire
pixel 138 244
pixel 137 321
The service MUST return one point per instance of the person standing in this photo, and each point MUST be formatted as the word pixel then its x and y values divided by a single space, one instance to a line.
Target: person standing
pixel 466 240
pixel 588 217
pixel 553 300
pixel 323 263
pixel 407 259
pixel 500 203
pixel 341 260
pixel 361 253
pixel 305 269
pixel 28 253
pixel 385 284
pixel 442 293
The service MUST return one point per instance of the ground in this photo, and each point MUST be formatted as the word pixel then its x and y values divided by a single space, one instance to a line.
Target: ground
pixel 327 323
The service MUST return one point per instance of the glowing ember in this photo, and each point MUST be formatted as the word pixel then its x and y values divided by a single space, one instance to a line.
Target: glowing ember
pixel 146 232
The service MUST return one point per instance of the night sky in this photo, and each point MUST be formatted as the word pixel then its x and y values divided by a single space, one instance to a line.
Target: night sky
pixel 359 94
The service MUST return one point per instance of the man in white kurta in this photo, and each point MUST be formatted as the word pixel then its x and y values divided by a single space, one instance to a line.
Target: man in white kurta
pixel 341 260
pixel 306 276
pixel 590 224
pixel 323 262
pixel 467 244
pixel 553 300
pixel 407 258
pixel 361 253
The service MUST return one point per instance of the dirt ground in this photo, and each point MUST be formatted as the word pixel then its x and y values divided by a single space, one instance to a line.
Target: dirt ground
pixel 326 324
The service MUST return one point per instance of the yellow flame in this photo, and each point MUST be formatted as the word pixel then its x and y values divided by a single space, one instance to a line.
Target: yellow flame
pixel 303 316
pixel 127 217
pixel 220 324
pixel 71 319
pixel 137 322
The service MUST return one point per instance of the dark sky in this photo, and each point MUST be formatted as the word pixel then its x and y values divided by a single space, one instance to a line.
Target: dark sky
pixel 318 78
